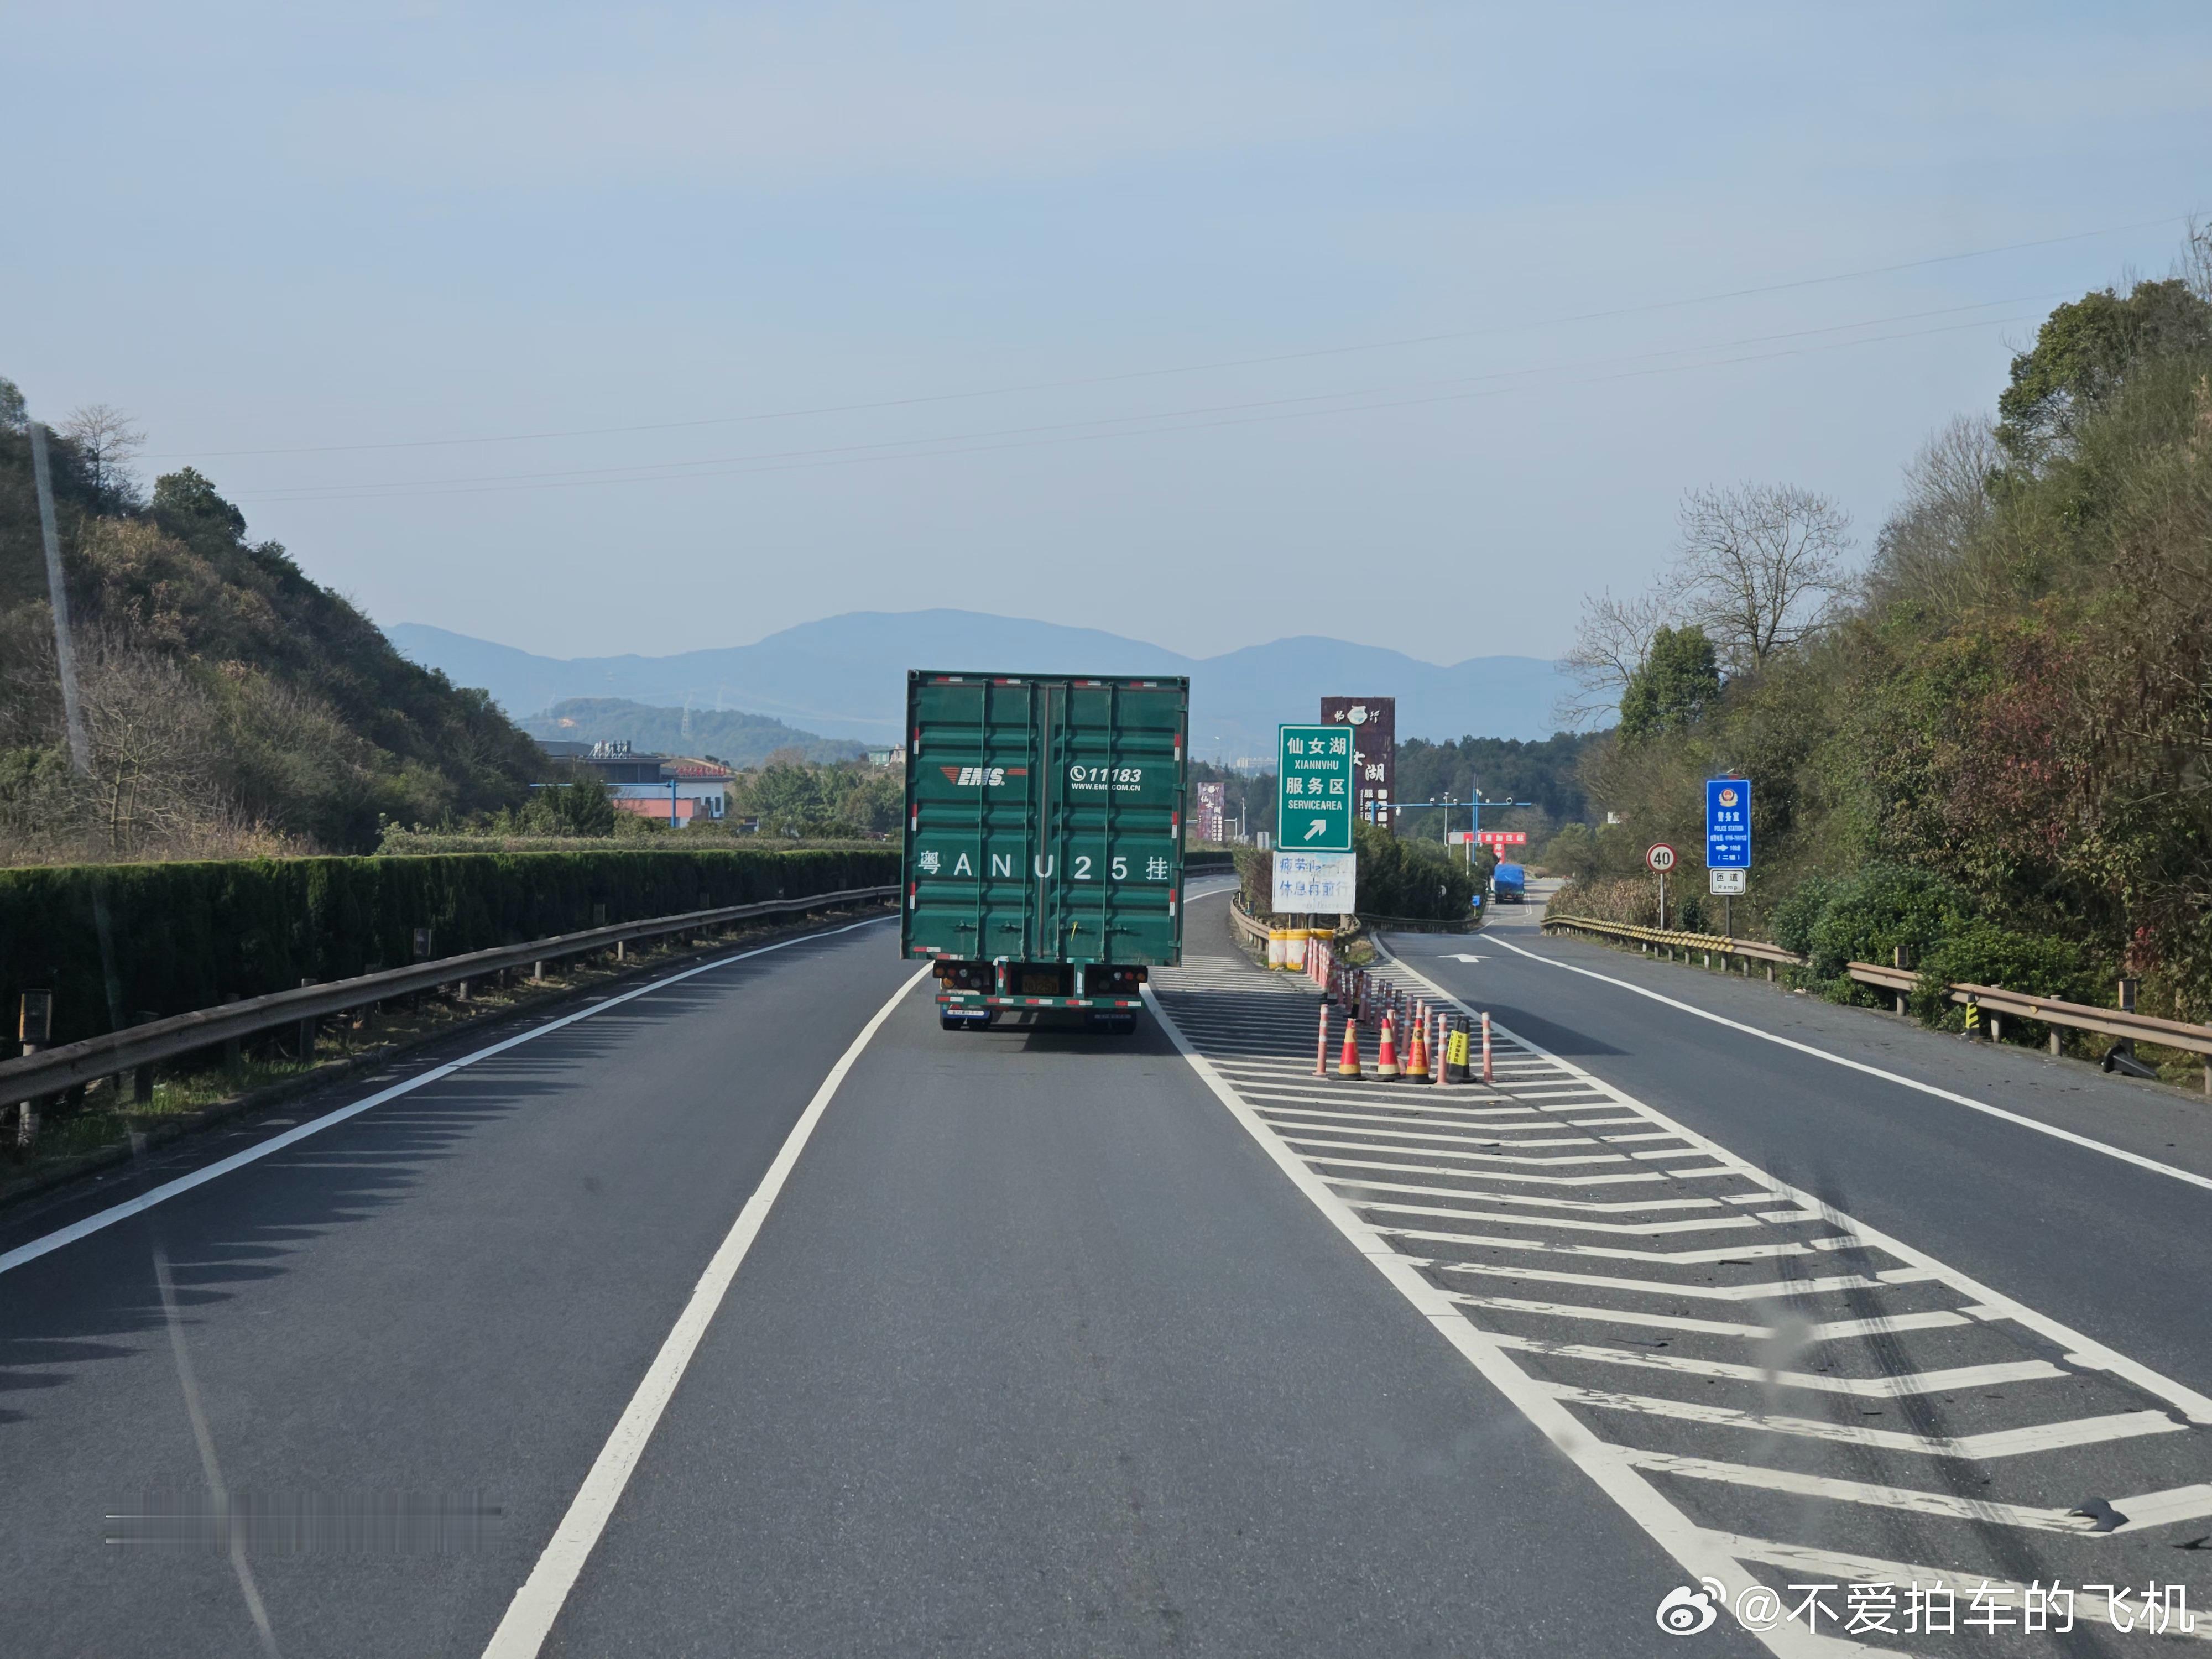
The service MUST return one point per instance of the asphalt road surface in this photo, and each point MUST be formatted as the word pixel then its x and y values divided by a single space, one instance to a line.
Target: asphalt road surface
pixel 753 1313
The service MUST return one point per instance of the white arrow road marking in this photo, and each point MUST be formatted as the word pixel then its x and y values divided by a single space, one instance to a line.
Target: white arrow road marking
pixel 1462 956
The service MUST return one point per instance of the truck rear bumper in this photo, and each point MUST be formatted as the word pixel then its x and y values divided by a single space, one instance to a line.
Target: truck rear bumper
pixel 955 1001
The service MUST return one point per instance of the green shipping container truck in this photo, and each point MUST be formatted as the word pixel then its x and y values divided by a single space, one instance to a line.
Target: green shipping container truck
pixel 1044 817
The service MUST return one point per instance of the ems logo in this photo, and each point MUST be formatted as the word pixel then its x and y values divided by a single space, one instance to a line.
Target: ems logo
pixel 1728 797
pixel 978 777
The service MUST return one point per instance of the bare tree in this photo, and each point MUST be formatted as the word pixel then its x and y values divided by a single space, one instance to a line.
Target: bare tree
pixel 109 442
pixel 2195 265
pixel 1611 642
pixel 1762 567
pixel 1920 555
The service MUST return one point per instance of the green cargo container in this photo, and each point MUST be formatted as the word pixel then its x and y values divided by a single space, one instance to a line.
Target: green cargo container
pixel 1044 822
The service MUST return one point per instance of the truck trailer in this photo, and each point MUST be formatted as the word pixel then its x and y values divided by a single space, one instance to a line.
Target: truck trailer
pixel 1044 826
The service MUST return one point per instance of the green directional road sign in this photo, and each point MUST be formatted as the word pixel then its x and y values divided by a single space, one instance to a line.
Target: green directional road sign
pixel 1314 803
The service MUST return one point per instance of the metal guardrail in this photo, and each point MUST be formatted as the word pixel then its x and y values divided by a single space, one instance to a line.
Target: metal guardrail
pixel 1993 1001
pixel 52 1070
pixel 1755 950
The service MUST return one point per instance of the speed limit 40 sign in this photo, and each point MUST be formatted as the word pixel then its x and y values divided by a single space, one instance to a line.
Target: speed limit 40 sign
pixel 1660 857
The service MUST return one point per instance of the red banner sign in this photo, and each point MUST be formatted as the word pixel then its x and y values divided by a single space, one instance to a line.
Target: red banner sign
pixel 1504 838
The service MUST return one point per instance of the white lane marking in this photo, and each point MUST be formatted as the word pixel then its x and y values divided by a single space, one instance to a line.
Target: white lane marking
pixel 1863 1491
pixel 2159 1508
pixel 1571 1224
pixel 1886 1387
pixel 2079 1349
pixel 1772 1288
pixel 1621 1206
pixel 1607 1252
pixel 1978 1448
pixel 2018 1118
pixel 1690 1545
pixel 1509 1118
pixel 1626 1177
pixel 1835 1331
pixel 530 1616
pixel 1573 1159
pixel 185 1183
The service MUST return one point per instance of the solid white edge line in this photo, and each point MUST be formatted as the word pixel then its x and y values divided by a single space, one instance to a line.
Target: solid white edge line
pixel 2018 1118
pixel 530 1615
pixel 146 1200
pixel 2079 1349
pixel 1690 1545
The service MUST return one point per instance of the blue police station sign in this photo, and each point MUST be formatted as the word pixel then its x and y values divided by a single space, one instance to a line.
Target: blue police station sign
pixel 1727 823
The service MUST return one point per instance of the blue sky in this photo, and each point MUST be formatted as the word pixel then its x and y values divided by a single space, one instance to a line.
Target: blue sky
pixel 1208 325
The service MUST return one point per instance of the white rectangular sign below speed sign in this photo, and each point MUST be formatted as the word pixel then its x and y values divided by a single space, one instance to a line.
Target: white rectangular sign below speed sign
pixel 1725 883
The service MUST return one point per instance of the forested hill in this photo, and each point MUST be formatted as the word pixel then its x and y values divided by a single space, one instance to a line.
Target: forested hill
pixel 1996 753
pixel 734 738
pixel 231 703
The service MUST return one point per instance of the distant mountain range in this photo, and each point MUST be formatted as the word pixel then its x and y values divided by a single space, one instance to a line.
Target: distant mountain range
pixel 845 677
pixel 735 739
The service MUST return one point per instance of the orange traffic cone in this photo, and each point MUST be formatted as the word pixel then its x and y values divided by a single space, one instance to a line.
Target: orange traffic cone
pixel 1417 1063
pixel 1386 1061
pixel 1348 1063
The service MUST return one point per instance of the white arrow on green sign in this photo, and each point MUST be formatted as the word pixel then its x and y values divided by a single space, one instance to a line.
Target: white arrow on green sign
pixel 1313 802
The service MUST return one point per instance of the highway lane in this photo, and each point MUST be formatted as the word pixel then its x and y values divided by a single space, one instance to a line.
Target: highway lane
pixel 1037 1352
pixel 449 1297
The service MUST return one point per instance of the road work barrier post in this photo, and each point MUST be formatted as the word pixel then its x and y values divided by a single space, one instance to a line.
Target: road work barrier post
pixel 1347 1064
pixel 1321 1053
pixel 1489 1076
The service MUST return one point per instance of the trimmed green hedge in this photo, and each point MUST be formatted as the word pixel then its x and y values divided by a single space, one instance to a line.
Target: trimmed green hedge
pixel 186 936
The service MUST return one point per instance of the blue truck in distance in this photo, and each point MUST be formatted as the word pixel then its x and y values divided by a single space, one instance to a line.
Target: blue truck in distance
pixel 1508 885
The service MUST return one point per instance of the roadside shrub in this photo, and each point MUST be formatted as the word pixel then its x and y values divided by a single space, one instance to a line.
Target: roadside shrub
pixel 1793 920
pixel 1868 915
pixel 182 936
pixel 1984 953
pixel 1626 900
pixel 1411 880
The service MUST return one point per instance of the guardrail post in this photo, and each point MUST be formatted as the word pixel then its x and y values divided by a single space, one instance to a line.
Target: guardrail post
pixel 1901 958
pixel 2128 984
pixel 538 973
pixel 307 1035
pixel 142 1077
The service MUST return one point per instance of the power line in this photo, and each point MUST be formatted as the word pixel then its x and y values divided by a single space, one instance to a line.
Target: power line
pixel 1184 368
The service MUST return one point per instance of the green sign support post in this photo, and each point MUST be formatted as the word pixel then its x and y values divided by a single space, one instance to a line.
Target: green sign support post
pixel 1313 807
